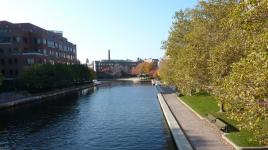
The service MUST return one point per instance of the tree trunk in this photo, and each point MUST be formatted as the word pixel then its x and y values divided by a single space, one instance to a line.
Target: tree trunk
pixel 222 107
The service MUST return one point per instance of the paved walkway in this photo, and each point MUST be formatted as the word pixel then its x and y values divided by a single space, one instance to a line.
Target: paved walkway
pixel 201 134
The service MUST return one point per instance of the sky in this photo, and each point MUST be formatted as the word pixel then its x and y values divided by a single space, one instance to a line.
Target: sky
pixel 129 28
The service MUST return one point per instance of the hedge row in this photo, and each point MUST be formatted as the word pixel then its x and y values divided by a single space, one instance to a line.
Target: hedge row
pixel 46 77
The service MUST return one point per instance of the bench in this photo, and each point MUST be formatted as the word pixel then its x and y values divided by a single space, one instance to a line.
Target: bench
pixel 211 118
pixel 221 125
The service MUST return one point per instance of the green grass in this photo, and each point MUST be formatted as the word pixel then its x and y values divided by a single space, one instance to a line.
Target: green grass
pixel 205 104
pixel 202 104
pixel 243 138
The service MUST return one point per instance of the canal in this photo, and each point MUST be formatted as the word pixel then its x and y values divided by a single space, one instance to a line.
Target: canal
pixel 115 116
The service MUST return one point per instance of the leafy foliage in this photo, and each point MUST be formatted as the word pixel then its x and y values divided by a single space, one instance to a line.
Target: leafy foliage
pixel 47 76
pixel 144 68
pixel 246 93
pixel 220 47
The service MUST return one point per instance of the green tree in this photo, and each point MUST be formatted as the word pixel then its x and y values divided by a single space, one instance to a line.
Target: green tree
pixel 193 36
pixel 46 77
pixel 215 47
pixel 244 30
pixel 245 91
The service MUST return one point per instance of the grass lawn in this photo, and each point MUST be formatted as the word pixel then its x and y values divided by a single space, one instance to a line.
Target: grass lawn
pixel 206 104
pixel 202 104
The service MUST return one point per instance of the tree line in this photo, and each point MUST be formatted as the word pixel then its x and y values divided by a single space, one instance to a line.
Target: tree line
pixel 220 47
pixel 45 77
pixel 146 68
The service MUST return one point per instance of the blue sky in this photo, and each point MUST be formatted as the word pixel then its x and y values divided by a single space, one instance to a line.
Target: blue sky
pixel 129 28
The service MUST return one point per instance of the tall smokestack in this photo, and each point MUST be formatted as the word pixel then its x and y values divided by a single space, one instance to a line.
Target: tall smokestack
pixel 109 55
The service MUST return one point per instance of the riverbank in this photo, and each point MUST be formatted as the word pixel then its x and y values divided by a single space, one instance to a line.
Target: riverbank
pixel 12 99
pixel 134 79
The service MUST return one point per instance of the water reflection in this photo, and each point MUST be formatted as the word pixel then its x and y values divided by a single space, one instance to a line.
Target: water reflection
pixel 113 116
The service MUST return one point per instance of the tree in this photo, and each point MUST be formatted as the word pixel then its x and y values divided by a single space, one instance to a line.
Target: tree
pixel 243 32
pixel 46 77
pixel 194 34
pixel 245 92
pixel 218 47
pixel 167 74
pixel 143 68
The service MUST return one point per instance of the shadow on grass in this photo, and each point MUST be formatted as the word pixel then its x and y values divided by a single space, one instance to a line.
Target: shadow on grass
pixel 201 94
pixel 230 127
pixel 231 124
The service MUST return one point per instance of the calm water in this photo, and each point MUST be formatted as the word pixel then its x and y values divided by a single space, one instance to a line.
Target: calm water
pixel 114 116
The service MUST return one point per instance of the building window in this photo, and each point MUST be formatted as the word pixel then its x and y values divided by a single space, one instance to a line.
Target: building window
pixel 60 47
pixel 50 44
pixel 34 41
pixel 30 61
pixel 18 39
pixel 3 31
pixel 38 41
pixel 5 39
pixel 44 41
pixel 65 48
pixel 45 51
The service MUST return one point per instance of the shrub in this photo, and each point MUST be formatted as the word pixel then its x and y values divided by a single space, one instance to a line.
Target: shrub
pixel 45 77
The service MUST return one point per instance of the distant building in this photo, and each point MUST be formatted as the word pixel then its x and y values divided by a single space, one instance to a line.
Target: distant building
pixel 114 68
pixel 24 44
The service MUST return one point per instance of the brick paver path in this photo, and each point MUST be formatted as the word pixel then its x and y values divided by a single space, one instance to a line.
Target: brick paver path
pixel 201 134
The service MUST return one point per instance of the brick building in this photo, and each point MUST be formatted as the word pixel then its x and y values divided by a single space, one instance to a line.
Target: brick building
pixel 114 68
pixel 24 44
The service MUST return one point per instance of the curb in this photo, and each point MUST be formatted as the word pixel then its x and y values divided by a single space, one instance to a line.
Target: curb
pixel 179 137
pixel 241 148
pixel 224 134
pixel 186 105
pixel 230 142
